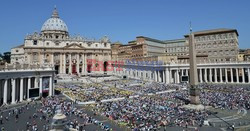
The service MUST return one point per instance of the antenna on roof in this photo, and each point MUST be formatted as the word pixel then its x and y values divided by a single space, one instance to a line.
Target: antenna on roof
pixel 190 27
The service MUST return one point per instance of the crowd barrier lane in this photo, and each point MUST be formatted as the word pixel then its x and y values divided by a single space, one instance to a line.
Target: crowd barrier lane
pixel 114 99
pixel 86 103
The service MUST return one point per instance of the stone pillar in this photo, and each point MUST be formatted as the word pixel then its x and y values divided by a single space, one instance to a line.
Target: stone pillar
pixel 41 86
pixel 70 64
pixel 13 92
pixel 167 76
pixel 200 75
pixel 221 76
pixel 205 74
pixel 64 63
pixel 77 64
pixel 178 76
pixel 243 75
pixel 36 82
pixel 29 86
pixel 21 89
pixel 170 76
pixel 5 91
pixel 182 72
pixel 226 77
pixel 159 76
pixel 61 64
pixel 210 75
pixel 231 71
pixel 155 76
pixel 215 75
pixel 50 86
pixel 237 75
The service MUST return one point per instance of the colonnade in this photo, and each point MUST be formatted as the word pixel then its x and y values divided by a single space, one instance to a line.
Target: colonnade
pixel 14 90
pixel 175 74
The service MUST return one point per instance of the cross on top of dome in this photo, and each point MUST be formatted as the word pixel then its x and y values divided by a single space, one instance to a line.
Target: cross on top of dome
pixel 55 13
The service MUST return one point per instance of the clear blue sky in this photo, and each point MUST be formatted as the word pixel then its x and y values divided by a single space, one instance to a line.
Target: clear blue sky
pixel 123 20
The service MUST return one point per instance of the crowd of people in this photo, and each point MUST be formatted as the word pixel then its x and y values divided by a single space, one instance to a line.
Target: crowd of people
pixel 43 112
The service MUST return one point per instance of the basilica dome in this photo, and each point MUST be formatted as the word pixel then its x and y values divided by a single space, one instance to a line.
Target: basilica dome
pixel 54 23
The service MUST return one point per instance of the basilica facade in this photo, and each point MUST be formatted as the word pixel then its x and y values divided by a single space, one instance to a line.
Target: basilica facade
pixel 68 54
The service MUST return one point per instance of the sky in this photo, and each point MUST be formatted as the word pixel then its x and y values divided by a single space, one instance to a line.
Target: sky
pixel 123 20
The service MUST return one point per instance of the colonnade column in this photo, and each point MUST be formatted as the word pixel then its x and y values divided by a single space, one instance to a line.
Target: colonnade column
pixel 164 76
pixel 231 73
pixel 210 75
pixel 200 75
pixel 226 77
pixel 243 75
pixel 50 86
pixel 13 92
pixel 41 86
pixel 205 75
pixel 155 76
pixel 178 76
pixel 221 76
pixel 21 89
pixel 237 75
pixel 159 76
pixel 215 75
pixel 5 91
pixel 167 76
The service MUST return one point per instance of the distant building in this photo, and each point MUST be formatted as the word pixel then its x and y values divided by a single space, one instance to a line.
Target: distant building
pixel 217 45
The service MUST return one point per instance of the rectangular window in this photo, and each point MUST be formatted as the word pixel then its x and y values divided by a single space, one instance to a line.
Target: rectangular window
pixel 34 42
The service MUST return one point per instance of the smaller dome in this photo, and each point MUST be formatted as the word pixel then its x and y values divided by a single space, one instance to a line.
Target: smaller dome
pixel 54 23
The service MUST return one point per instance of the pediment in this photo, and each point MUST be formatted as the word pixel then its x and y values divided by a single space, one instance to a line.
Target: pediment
pixel 74 46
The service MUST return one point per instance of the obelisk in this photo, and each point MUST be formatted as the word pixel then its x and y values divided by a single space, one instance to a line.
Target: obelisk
pixel 193 90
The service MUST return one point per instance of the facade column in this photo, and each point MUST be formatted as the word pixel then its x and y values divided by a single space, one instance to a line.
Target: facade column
pixel 77 64
pixel 64 63
pixel 61 64
pixel 5 91
pixel 29 86
pixel 50 86
pixel 231 71
pixel 70 64
pixel 182 73
pixel 41 86
pixel 13 92
pixel 243 75
pixel 210 75
pixel 237 75
pixel 226 77
pixel 21 89
pixel 221 76
pixel 36 82
pixel 200 75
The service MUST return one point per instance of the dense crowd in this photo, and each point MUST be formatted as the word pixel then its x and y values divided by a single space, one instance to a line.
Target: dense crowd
pixel 44 112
